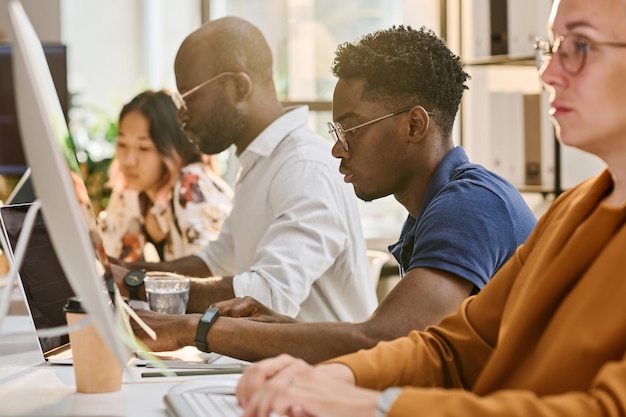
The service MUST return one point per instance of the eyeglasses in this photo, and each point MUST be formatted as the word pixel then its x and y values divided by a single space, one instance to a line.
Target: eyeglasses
pixel 338 133
pixel 179 99
pixel 572 51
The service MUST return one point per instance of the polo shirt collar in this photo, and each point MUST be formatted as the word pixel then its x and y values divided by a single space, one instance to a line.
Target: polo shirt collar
pixel 448 168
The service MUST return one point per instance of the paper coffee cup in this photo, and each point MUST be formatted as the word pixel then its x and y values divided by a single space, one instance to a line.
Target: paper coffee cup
pixel 96 369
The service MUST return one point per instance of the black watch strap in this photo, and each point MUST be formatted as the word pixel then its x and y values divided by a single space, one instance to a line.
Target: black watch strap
pixel 206 321
pixel 133 281
pixel 133 293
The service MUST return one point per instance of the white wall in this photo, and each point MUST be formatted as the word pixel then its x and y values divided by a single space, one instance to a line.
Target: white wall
pixel 115 47
pixel 118 47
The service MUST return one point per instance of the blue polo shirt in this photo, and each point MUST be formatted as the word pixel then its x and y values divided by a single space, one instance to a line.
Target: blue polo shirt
pixel 470 223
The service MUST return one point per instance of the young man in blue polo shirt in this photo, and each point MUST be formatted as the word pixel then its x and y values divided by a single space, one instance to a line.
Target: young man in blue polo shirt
pixel 393 109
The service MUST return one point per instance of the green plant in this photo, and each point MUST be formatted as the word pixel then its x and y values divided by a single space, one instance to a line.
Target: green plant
pixel 94 133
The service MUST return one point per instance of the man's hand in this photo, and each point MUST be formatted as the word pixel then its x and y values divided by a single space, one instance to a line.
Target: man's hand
pixel 252 308
pixel 173 331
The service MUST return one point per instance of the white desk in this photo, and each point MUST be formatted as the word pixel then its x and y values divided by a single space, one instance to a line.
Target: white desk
pixel 31 388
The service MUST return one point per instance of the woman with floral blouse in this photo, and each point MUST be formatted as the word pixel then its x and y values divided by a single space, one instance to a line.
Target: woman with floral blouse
pixel 165 191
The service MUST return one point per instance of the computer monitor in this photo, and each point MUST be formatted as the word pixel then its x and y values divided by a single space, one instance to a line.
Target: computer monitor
pixel 12 160
pixel 56 177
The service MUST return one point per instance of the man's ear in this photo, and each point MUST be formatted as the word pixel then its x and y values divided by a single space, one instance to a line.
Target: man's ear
pixel 419 122
pixel 243 85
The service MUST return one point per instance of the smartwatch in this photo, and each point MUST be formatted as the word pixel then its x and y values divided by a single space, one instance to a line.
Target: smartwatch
pixel 206 321
pixel 133 281
pixel 385 400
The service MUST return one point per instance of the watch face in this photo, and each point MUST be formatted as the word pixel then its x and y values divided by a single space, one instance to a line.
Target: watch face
pixel 134 278
pixel 210 315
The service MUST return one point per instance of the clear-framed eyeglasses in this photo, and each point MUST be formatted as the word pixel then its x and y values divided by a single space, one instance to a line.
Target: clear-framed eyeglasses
pixel 338 133
pixel 179 99
pixel 572 51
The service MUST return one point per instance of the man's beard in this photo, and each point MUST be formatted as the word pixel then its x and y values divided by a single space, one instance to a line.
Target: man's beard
pixel 223 130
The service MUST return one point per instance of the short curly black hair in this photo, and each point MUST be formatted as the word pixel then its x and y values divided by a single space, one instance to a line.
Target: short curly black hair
pixel 403 67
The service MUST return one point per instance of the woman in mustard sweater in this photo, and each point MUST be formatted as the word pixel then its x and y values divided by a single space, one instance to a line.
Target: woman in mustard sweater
pixel 547 335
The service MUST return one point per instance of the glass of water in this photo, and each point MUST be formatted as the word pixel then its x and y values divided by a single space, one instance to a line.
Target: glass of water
pixel 167 293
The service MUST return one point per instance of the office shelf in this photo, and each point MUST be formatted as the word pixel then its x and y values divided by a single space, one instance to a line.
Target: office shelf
pixel 476 118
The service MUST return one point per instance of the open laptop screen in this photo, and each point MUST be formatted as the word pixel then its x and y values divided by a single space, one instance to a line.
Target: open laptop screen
pixel 42 279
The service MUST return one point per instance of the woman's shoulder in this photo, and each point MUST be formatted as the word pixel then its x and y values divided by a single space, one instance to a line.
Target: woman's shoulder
pixel 200 177
pixel 194 168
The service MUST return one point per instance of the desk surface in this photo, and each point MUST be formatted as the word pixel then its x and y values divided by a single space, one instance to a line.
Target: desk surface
pixel 29 387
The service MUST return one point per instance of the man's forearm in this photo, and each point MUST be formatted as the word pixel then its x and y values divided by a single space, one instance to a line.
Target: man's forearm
pixel 190 266
pixel 314 342
pixel 206 291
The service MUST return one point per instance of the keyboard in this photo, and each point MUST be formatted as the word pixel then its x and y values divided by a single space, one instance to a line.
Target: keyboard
pixel 207 397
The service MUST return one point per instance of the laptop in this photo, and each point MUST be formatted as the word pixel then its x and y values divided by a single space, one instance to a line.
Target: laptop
pixel 41 279
pixel 23 192
pixel 45 289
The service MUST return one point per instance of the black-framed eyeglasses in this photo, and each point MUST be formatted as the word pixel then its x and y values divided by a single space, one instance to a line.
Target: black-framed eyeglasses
pixel 572 51
pixel 179 99
pixel 338 133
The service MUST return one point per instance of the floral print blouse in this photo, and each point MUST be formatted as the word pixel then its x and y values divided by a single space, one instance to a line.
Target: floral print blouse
pixel 199 203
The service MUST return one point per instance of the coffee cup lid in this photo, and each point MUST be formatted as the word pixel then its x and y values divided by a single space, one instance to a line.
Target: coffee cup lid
pixel 73 305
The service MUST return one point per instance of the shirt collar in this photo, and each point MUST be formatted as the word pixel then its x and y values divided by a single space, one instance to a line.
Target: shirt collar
pixel 265 143
pixel 451 165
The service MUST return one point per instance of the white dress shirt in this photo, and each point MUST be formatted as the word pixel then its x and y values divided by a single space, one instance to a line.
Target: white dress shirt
pixel 294 239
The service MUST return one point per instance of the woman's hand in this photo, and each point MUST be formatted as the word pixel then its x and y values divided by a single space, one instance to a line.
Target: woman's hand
pixel 291 387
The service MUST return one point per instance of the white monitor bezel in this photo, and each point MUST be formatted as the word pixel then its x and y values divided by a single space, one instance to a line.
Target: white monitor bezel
pixel 42 122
